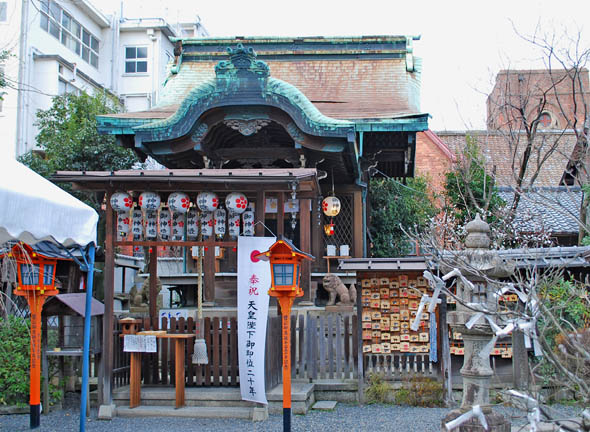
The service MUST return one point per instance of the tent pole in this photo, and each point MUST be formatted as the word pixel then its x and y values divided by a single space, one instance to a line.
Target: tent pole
pixel 86 350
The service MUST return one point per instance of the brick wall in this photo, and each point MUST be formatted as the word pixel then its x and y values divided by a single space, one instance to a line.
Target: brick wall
pixel 525 88
pixel 432 160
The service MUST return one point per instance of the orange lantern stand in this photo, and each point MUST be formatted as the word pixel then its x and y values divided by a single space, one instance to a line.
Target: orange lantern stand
pixel 285 264
pixel 36 282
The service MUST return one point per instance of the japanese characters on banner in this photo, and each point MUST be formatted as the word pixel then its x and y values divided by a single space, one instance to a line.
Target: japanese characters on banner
pixel 253 284
pixel 192 224
pixel 140 343
pixel 137 229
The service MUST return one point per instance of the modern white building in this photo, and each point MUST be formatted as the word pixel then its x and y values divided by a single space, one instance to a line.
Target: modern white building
pixel 60 46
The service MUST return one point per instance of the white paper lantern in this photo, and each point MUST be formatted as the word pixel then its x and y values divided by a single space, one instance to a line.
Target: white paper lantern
pixel 121 201
pixel 137 226
pixel 331 206
pixel 123 223
pixel 233 225
pixel 220 217
pixel 248 219
pixel 179 202
pixel 151 224
pixel 177 225
pixel 192 224
pixel 207 224
pixel 165 224
pixel 149 201
pixel 207 201
pixel 236 202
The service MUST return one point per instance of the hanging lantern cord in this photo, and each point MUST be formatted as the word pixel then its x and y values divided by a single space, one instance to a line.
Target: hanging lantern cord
pixel 333 182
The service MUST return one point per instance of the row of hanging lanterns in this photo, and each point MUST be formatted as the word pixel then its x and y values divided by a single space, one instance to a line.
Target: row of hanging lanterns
pixel 211 219
pixel 180 214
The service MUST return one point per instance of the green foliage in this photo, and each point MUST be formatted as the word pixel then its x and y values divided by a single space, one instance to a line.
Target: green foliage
pixel 379 390
pixel 469 188
pixel 395 206
pixel 70 140
pixel 420 391
pixel 14 361
pixel 15 345
pixel 568 302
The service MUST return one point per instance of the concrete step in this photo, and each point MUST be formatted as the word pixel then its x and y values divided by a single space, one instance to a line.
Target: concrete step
pixel 189 412
pixel 194 397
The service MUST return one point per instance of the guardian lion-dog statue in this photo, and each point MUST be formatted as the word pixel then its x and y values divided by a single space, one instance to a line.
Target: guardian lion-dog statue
pixel 335 287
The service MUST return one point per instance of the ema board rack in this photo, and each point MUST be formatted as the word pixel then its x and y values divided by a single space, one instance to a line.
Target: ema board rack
pixel 389 306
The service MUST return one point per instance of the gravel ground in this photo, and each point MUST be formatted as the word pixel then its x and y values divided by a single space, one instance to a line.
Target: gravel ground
pixel 350 418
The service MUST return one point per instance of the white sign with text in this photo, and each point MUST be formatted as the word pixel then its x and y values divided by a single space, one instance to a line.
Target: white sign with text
pixel 253 285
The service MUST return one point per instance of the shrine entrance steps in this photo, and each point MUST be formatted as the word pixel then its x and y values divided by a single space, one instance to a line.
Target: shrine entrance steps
pixel 208 402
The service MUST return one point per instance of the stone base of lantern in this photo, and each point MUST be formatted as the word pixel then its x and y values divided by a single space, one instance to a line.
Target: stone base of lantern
pixel 496 422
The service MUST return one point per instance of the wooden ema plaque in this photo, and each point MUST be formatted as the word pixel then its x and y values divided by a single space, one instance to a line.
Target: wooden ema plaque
pixel 389 306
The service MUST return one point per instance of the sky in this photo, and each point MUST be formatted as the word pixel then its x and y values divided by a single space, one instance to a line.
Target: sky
pixel 463 43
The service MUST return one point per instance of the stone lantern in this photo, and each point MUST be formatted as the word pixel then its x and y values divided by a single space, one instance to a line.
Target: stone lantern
pixel 479 265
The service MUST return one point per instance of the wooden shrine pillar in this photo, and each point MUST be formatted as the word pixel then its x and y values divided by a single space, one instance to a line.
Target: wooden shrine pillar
pixel 259 214
pixel 209 269
pixel 357 218
pixel 305 246
pixel 280 214
pixel 108 324
pixel 317 235
pixel 153 294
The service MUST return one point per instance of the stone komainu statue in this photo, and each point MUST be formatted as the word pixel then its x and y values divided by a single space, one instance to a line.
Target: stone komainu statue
pixel 335 287
pixel 141 297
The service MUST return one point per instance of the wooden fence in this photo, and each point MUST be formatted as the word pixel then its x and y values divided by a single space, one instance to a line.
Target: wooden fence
pixel 397 366
pixel 324 346
pixel 221 338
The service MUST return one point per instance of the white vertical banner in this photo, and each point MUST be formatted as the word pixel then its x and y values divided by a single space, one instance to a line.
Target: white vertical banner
pixel 253 285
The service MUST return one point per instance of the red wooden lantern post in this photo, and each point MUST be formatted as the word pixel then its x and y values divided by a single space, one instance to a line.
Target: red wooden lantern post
pixel 36 282
pixel 285 265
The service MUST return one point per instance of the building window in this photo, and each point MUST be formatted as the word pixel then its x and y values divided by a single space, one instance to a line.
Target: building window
pixel 135 59
pixel 64 87
pixel 545 120
pixel 3 11
pixel 58 23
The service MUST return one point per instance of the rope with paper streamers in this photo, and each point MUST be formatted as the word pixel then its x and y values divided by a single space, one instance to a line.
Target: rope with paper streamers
pixel 526 325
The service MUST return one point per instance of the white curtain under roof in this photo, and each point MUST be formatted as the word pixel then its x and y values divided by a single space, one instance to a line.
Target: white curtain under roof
pixel 33 209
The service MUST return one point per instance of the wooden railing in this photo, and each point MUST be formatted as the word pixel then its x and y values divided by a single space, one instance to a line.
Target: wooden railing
pixel 324 346
pixel 221 339
pixel 397 366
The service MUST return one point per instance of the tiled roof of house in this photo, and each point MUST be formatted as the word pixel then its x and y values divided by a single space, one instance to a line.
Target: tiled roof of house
pixel 341 89
pixel 365 77
pixel 548 209
pixel 549 158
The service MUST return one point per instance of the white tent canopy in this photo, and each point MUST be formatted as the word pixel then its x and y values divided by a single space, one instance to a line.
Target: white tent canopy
pixel 33 209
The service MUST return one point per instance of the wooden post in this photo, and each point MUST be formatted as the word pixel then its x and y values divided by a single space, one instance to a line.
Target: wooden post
pixel 286 303
pixel 259 213
pixel 135 380
pixel 209 270
pixel 153 270
pixel 35 301
pixel 108 324
pixel 445 352
pixel 357 218
pixel 179 345
pixel 317 234
pixel 281 214
pixel 305 245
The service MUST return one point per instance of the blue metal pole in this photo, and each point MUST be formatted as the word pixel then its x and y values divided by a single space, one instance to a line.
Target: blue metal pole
pixel 86 351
